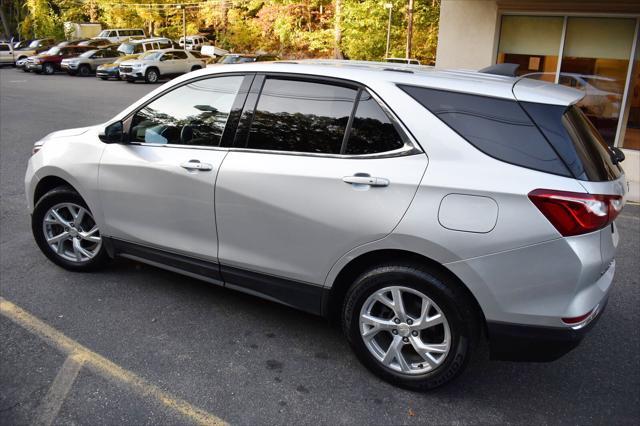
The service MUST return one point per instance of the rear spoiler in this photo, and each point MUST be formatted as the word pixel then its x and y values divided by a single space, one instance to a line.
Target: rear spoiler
pixel 506 69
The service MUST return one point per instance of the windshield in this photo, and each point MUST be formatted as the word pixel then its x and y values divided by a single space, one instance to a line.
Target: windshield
pixel 126 48
pixel 34 43
pixel 104 33
pixel 53 51
pixel 150 56
pixel 235 59
pixel 88 53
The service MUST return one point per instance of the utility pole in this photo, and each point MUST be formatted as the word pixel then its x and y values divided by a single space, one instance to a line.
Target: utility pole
pixel 184 25
pixel 409 28
pixel 390 7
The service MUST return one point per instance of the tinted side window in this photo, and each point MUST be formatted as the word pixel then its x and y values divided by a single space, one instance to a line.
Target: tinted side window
pixel 179 55
pixel 194 114
pixel 498 127
pixel 372 131
pixel 301 116
pixel 4 47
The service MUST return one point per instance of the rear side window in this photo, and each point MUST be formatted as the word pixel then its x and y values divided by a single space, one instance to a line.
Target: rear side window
pixel 179 55
pixel 371 131
pixel 576 140
pixel 301 116
pixel 498 127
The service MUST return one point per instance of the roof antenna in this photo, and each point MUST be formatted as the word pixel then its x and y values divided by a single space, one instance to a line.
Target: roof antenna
pixel 506 69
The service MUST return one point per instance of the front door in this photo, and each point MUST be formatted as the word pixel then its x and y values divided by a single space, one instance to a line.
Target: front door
pixel 296 193
pixel 158 189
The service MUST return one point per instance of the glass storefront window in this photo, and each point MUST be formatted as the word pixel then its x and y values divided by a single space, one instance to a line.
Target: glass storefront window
pixel 596 60
pixel 533 42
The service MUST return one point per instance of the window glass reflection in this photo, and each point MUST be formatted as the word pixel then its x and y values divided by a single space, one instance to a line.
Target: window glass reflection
pixel 194 114
pixel 301 116
pixel 371 131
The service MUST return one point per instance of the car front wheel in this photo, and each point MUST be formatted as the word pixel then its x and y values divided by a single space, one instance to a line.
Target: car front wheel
pixel 48 69
pixel 66 231
pixel 151 76
pixel 409 326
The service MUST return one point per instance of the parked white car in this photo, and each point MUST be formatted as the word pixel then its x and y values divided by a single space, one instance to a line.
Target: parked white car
pixel 118 35
pixel 154 65
pixel 194 42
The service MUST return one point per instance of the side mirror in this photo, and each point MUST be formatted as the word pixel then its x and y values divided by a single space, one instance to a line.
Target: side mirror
pixel 113 133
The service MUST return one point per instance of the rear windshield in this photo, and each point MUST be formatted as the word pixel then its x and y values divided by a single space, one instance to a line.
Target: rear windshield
pixel 549 138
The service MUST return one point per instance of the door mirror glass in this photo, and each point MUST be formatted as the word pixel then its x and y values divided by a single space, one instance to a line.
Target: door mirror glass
pixel 112 133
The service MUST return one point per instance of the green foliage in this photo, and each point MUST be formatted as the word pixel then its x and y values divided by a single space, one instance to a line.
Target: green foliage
pixel 290 28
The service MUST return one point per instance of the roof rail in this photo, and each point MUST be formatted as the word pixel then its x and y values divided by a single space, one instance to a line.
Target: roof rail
pixel 505 69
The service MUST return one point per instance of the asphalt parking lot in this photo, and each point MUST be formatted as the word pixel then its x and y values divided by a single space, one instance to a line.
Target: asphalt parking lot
pixel 139 345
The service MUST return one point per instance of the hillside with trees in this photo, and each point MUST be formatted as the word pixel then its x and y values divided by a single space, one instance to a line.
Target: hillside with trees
pixel 354 29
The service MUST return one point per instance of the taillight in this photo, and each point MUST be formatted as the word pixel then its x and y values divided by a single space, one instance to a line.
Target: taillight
pixel 575 213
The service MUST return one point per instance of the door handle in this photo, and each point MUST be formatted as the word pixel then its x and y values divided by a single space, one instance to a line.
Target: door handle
pixel 366 180
pixel 196 165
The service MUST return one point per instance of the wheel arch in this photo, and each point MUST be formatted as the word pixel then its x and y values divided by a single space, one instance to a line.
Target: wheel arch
pixel 48 183
pixel 334 297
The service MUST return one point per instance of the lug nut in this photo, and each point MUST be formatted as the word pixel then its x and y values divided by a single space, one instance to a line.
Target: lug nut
pixel 405 339
pixel 395 331
pixel 66 229
pixel 414 333
pixel 409 321
pixel 397 320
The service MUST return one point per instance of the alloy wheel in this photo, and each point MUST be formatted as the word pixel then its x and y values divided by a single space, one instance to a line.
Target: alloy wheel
pixel 71 232
pixel 405 330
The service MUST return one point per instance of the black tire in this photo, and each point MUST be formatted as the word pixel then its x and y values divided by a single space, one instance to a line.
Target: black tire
pixel 104 78
pixel 84 70
pixel 56 196
pixel 25 69
pixel 151 76
pixel 195 68
pixel 48 69
pixel 463 321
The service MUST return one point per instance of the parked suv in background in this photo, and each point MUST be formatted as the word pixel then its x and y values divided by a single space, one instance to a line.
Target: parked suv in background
pixel 7 56
pixel 194 42
pixel 118 35
pixel 35 47
pixel 49 61
pixel 422 209
pixel 88 62
pixel 155 65
pixel 139 46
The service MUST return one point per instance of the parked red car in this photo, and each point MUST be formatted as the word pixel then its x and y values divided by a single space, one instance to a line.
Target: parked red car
pixel 49 62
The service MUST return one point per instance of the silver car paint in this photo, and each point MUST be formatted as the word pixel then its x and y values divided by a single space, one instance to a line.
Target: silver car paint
pixel 520 271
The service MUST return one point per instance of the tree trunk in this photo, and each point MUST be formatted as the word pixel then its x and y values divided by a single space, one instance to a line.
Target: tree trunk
pixel 337 30
pixel 409 28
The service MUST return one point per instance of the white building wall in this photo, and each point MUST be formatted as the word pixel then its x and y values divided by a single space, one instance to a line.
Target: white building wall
pixel 467 34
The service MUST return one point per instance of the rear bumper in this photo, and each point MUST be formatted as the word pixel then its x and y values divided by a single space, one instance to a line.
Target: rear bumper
pixel 516 342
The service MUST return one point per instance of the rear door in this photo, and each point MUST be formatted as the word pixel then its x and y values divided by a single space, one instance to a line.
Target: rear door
pixel 298 190
pixel 158 189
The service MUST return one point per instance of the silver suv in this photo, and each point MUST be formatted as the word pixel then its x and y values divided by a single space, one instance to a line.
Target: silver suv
pixel 424 210
pixel 89 61
pixel 158 64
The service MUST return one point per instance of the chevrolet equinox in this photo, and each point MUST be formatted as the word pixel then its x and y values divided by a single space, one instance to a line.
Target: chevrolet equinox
pixel 425 210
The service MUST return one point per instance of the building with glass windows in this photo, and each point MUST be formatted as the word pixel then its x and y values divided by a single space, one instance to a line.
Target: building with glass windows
pixel 586 44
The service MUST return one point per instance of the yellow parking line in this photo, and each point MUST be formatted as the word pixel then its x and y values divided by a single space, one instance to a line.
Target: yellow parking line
pixel 102 366
pixel 59 389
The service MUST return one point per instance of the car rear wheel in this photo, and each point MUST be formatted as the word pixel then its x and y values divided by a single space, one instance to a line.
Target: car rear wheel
pixel 409 326
pixel 84 70
pixel 151 76
pixel 66 232
pixel 48 69
pixel 104 78
pixel 195 67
